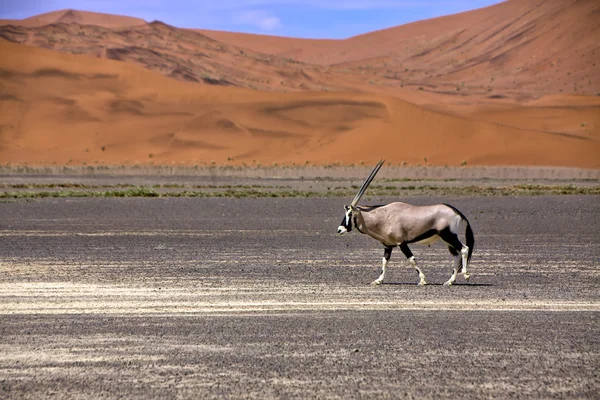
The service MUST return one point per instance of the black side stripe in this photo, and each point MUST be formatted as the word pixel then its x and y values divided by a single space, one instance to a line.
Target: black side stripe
pixel 423 236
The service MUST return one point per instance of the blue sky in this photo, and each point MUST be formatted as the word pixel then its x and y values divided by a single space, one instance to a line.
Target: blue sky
pixel 333 19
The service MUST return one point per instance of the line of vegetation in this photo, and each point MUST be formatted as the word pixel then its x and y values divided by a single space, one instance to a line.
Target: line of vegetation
pixel 67 185
pixel 149 192
pixel 262 192
pixel 128 185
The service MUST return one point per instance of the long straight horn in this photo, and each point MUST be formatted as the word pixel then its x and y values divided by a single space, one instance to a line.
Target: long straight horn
pixel 366 184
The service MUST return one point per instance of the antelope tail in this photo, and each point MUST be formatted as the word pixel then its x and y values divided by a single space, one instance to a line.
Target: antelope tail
pixel 470 239
pixel 468 233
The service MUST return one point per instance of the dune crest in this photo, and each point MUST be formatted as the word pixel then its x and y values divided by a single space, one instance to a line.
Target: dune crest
pixel 70 16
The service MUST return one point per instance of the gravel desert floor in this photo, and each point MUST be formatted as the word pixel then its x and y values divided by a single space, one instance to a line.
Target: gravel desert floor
pixel 260 298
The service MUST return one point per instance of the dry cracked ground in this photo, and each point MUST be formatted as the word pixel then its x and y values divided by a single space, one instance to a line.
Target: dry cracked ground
pixel 259 298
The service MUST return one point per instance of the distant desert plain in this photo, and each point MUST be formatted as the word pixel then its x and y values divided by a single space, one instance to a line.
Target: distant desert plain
pixel 514 84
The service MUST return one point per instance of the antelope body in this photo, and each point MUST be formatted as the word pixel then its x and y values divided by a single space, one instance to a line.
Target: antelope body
pixel 400 224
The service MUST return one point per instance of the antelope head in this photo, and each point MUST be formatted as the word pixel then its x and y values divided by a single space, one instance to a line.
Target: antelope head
pixel 346 225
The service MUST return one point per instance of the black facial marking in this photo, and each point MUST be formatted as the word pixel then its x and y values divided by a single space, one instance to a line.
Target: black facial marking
pixel 347 222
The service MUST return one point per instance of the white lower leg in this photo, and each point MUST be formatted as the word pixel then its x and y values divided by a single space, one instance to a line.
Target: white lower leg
pixel 379 280
pixel 422 280
pixel 452 279
pixel 464 252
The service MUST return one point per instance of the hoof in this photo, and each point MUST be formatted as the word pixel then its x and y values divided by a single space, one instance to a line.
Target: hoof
pixel 449 283
pixel 467 277
pixel 422 283
pixel 376 283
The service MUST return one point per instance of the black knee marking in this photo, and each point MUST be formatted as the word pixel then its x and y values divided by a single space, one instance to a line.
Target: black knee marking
pixel 408 254
pixel 406 250
pixel 387 253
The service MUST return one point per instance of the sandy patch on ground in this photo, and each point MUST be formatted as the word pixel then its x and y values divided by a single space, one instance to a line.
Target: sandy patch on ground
pixel 68 298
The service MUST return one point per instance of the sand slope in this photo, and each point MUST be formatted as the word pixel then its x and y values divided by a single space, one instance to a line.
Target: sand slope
pixel 58 107
pixel 76 17
pixel 178 53
pixel 519 48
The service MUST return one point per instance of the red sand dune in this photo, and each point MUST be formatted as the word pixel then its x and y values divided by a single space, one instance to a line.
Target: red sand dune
pixel 518 47
pixel 76 17
pixel 178 53
pixel 59 107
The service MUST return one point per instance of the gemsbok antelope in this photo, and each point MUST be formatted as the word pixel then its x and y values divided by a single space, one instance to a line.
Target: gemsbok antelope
pixel 400 224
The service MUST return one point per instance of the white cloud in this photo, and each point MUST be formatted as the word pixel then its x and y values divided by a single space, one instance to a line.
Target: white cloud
pixel 260 19
pixel 269 23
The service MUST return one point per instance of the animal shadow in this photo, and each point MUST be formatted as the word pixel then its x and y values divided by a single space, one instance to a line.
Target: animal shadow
pixel 437 284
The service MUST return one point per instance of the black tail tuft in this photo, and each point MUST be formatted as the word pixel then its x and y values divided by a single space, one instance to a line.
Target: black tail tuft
pixel 470 239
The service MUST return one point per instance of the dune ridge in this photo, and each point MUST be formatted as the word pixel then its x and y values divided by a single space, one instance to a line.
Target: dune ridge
pixel 87 88
pixel 71 16
pixel 521 47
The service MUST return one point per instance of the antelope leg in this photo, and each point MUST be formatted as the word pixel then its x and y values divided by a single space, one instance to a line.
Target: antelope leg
pixel 457 261
pixel 465 253
pixel 411 259
pixel 386 258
